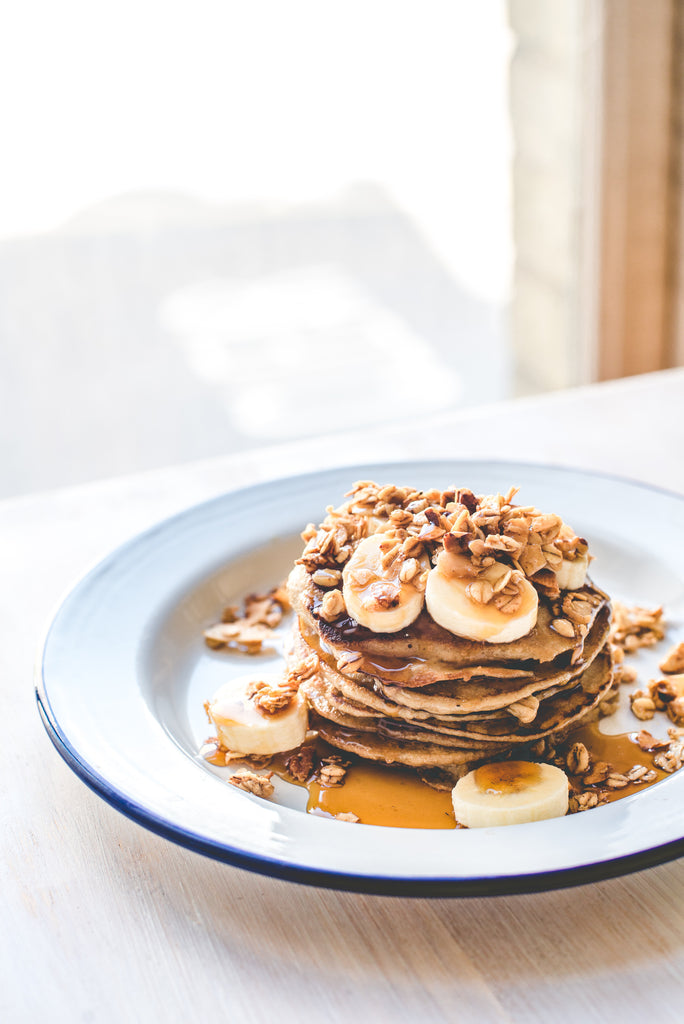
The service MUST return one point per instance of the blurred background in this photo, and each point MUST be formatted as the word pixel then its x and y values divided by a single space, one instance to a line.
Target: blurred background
pixel 224 225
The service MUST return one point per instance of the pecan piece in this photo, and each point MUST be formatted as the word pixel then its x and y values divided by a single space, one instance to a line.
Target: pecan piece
pixel 301 765
pixel 332 771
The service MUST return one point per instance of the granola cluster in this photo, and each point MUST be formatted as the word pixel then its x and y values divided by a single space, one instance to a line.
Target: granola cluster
pixel 251 782
pixel 665 694
pixel 503 542
pixel 252 627
pixel 660 695
pixel 269 699
pixel 635 627
pixel 305 765
pixel 592 781
pixel 573 614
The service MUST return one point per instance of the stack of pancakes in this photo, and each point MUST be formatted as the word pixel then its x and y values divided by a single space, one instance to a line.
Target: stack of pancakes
pixel 427 698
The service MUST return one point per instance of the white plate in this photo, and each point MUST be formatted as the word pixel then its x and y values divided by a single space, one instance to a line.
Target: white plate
pixel 125 672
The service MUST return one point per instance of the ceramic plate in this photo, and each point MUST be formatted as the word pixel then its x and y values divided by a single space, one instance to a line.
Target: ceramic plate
pixel 124 674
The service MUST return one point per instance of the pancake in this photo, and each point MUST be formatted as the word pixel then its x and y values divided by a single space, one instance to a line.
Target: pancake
pixel 426 652
pixel 456 696
pixel 426 696
pixel 413 754
pixel 560 710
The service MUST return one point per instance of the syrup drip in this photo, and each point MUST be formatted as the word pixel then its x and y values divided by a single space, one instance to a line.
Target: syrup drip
pixel 376 793
pixel 503 777
pixel 393 670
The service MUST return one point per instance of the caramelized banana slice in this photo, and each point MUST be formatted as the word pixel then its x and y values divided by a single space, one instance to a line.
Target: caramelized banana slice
pixel 244 729
pixel 510 793
pixel 460 602
pixel 382 590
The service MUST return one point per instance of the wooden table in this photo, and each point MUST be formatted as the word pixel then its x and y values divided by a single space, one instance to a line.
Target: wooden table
pixel 104 921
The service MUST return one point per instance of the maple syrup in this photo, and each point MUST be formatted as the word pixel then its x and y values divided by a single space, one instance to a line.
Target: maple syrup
pixel 392 670
pixel 503 777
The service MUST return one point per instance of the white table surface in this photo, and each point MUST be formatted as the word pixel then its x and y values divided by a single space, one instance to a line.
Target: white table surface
pixel 104 921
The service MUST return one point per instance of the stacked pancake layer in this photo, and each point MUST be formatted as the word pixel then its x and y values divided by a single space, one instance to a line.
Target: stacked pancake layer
pixel 424 697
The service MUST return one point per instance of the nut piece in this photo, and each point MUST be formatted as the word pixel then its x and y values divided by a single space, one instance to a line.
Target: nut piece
pixel 347 816
pixel 585 801
pixel 675 711
pixel 616 780
pixel 259 785
pixel 270 699
pixel 674 660
pixel 643 707
pixel 577 759
pixel 248 632
pixel 649 743
pixel 409 570
pixel 625 673
pixel 332 771
pixel 301 764
pixel 636 627
pixel 564 627
pixel 599 772
pixel 326 577
pixel 639 773
pixel 332 606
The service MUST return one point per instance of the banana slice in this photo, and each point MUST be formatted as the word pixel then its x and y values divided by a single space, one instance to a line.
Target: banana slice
pixel 243 729
pixel 571 575
pixel 375 594
pixel 450 606
pixel 510 793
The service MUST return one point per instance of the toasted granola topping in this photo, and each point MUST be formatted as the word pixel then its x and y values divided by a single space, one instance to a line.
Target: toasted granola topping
pixel 671 759
pixel 577 608
pixel 259 785
pixel 268 699
pixel 649 743
pixel 585 801
pixel 348 662
pixel 674 660
pixel 639 773
pixel 409 570
pixel 662 695
pixel 625 673
pixel 635 627
pixel 302 764
pixel 326 577
pixel 490 530
pixel 253 628
pixel 577 759
pixel 332 606
pixel 598 772
pixel 564 627
pixel 332 770
pixel 616 780
pixel 643 707
pixel 301 668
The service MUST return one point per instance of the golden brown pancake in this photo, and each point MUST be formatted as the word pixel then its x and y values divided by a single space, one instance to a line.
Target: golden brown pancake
pixel 425 652
pixel 423 696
